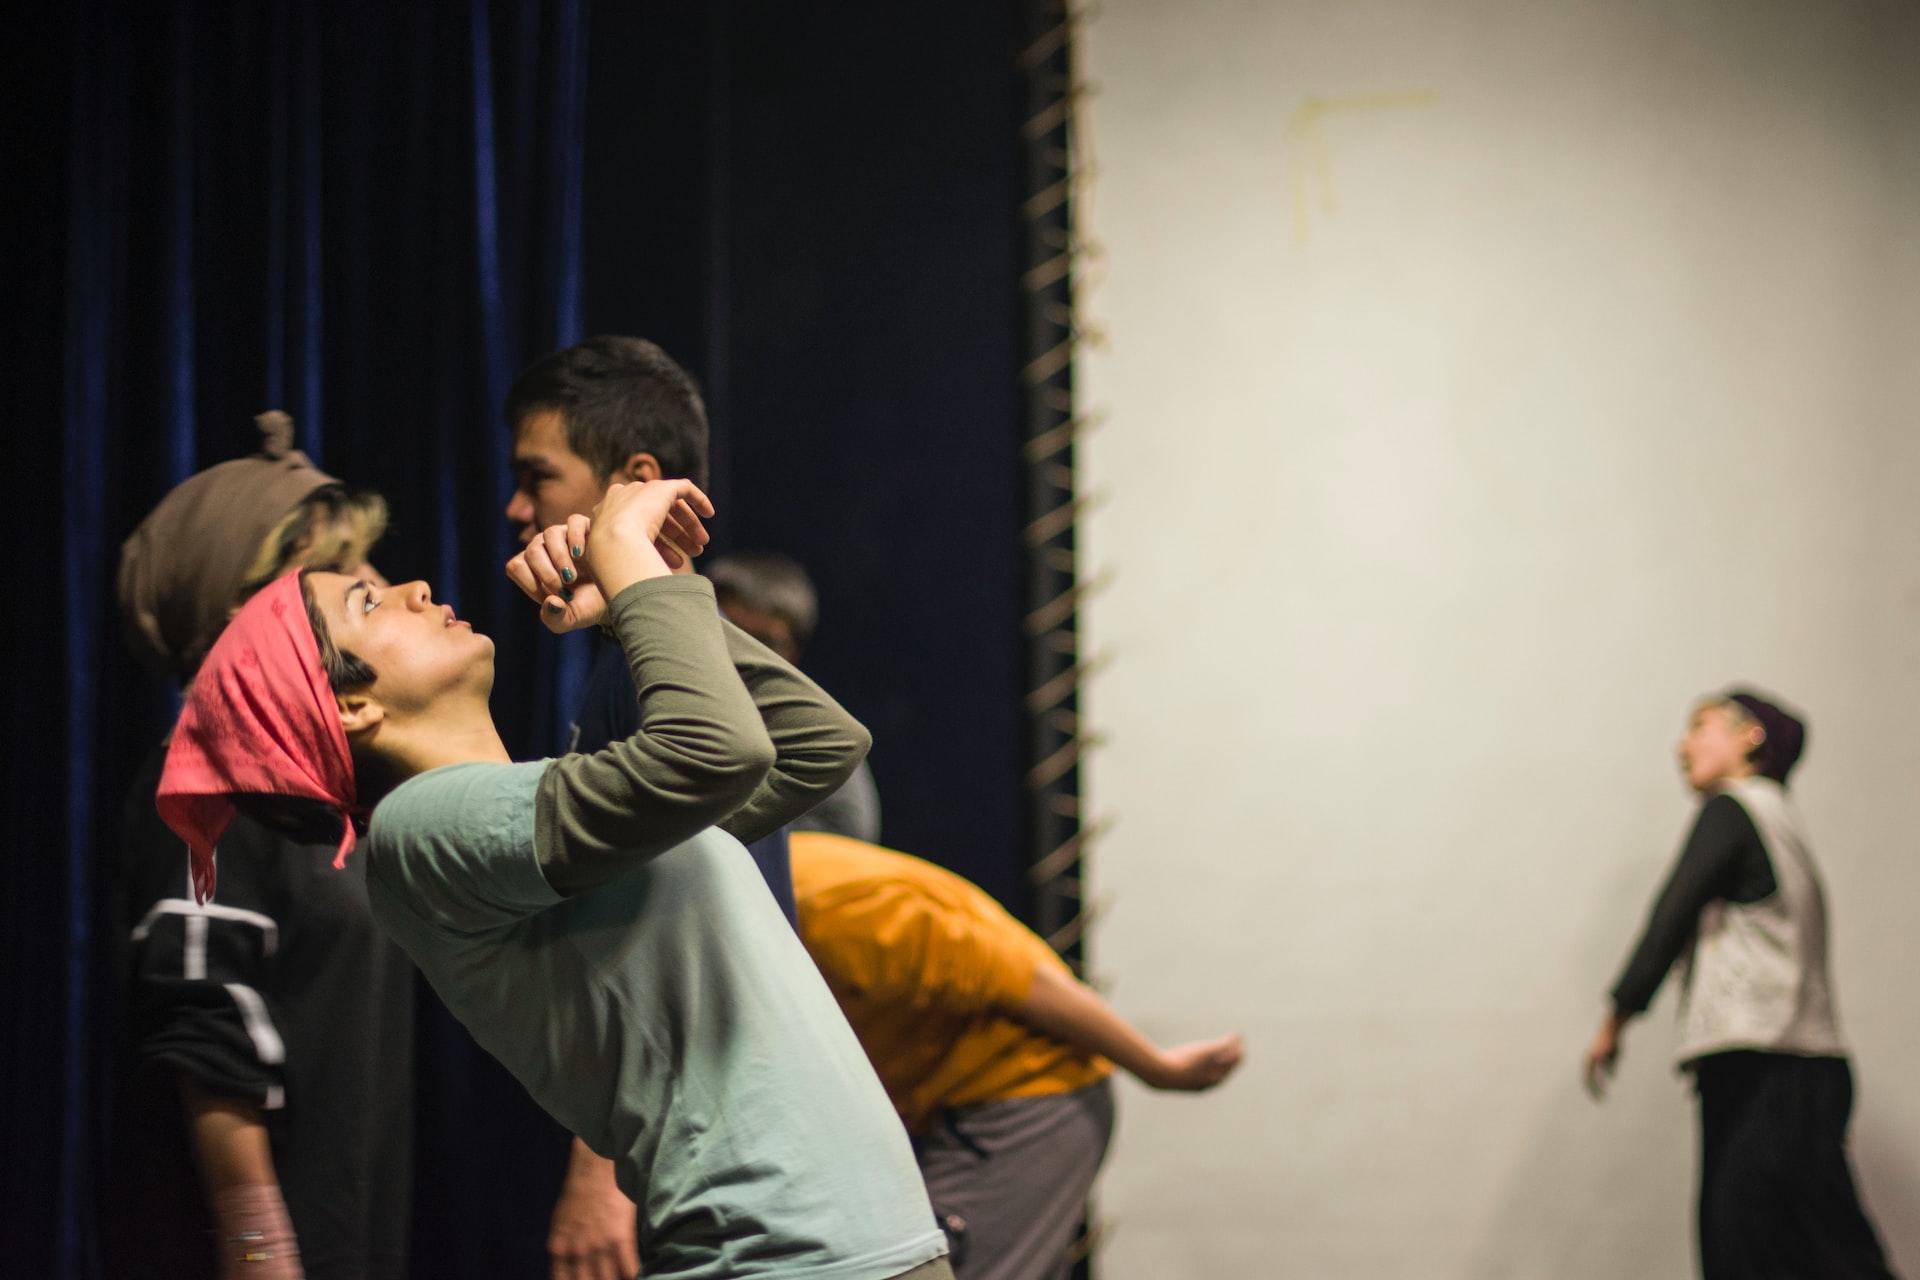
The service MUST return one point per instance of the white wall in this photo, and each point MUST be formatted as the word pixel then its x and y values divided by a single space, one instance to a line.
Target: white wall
pixel 1561 368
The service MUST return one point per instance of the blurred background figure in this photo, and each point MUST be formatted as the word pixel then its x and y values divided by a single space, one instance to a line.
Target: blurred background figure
pixel 264 1067
pixel 996 1057
pixel 1759 1033
pixel 772 598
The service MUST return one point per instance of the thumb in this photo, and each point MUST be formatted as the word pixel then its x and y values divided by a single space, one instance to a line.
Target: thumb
pixel 584 610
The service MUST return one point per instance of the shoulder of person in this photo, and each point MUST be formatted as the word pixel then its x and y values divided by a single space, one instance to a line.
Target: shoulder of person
pixel 1725 807
pixel 459 798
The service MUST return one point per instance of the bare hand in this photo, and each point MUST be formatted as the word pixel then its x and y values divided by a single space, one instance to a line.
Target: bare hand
pixel 1192 1068
pixel 646 530
pixel 1602 1056
pixel 592 1236
pixel 550 572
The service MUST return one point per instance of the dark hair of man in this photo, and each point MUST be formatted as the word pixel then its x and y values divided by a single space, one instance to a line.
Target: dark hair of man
pixel 768 582
pixel 618 397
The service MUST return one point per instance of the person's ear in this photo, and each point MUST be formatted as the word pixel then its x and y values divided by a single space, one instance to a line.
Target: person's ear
pixel 638 469
pixel 360 712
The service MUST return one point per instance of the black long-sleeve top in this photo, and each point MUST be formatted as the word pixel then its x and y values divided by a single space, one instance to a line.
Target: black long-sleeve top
pixel 1724 858
pixel 281 993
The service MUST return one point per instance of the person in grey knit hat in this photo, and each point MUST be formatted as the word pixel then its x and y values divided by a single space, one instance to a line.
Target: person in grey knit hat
pixel 1760 1031
pixel 227 531
pixel 262 1096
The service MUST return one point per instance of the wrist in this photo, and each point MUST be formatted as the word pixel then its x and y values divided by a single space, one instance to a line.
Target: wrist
pixel 585 1170
pixel 617 570
pixel 1153 1069
pixel 636 597
pixel 253 1225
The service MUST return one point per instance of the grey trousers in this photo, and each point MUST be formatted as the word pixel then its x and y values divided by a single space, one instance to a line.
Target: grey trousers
pixel 935 1270
pixel 1017 1173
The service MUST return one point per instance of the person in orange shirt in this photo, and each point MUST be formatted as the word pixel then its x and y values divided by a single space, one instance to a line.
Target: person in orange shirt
pixel 996 1057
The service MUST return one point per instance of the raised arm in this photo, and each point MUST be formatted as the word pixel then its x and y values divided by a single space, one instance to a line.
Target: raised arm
pixel 700 754
pixel 816 744
pixel 701 751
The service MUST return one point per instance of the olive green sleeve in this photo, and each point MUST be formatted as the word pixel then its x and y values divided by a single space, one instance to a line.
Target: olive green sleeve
pixel 701 752
pixel 816 744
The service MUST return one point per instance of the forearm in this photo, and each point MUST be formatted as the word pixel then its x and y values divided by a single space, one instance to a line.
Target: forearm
pixel 1662 940
pixel 230 1142
pixel 1062 1008
pixel 699 755
pixel 816 744
pixel 254 1235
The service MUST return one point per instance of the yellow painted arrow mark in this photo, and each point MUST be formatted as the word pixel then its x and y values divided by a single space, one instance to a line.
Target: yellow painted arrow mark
pixel 1310 160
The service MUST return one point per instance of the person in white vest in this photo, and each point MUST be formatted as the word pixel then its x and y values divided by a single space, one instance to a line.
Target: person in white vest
pixel 1744 906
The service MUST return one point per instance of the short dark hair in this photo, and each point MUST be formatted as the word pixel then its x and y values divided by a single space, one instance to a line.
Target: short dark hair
pixel 768 582
pixel 618 397
pixel 346 670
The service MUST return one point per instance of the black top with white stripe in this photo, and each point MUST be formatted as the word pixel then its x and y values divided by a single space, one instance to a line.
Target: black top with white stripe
pixel 281 993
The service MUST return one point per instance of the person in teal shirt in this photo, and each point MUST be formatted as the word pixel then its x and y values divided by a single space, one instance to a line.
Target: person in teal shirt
pixel 595 921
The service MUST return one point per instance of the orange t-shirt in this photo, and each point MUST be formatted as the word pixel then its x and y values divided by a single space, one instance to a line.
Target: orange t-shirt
pixel 926 967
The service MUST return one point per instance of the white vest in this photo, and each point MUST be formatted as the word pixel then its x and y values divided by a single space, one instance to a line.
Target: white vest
pixel 1757 973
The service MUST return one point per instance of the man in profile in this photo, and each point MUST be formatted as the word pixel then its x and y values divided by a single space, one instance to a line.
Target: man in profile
pixel 604 411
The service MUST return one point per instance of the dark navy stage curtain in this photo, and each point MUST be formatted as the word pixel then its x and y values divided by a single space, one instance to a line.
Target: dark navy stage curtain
pixel 820 217
pixel 367 215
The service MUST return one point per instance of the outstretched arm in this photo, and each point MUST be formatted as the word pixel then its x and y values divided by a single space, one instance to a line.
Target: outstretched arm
pixel 1065 1009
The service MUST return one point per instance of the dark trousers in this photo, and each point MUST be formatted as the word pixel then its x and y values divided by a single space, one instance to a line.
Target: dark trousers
pixel 1777 1200
pixel 1017 1174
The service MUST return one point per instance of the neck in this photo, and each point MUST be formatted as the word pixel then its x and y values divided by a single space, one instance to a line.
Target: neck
pixel 463 739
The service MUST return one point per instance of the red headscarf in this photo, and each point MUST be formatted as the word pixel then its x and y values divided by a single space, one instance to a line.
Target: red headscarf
pixel 260 719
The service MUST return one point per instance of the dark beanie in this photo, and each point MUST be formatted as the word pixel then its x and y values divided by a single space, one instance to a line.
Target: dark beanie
pixel 1786 734
pixel 181 571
